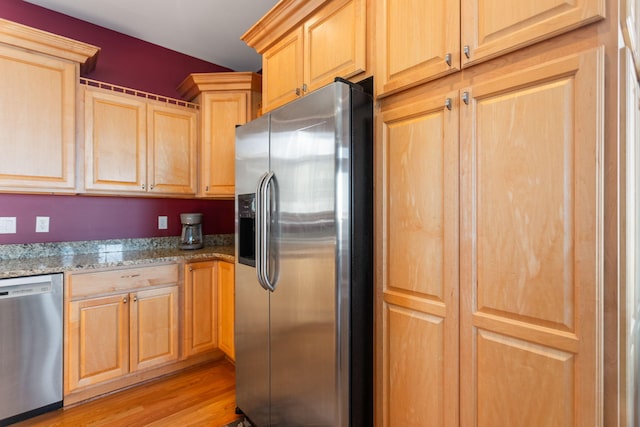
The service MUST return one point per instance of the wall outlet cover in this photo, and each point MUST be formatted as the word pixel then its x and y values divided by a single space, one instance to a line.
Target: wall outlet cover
pixel 42 224
pixel 162 222
pixel 8 225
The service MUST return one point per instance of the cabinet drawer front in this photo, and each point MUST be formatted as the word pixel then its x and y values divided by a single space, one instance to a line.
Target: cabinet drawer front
pixel 105 282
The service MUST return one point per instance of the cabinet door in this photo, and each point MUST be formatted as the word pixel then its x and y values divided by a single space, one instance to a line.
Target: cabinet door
pixel 226 308
pixel 201 308
pixel 171 152
pixel 115 142
pixel 419 246
pixel 37 122
pixel 221 112
pixel 494 27
pixel 630 23
pixel 282 71
pixel 335 43
pixel 154 327
pixel 417 41
pixel 98 340
pixel 531 233
pixel 630 292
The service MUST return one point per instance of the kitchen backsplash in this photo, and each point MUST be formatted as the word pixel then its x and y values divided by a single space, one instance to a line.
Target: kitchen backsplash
pixel 33 250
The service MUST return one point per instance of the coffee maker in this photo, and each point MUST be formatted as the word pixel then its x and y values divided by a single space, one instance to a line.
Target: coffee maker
pixel 191 237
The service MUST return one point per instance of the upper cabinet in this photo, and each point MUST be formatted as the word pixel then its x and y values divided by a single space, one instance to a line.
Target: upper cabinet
pixel 305 45
pixel 226 101
pixel 420 41
pixel 136 144
pixel 38 75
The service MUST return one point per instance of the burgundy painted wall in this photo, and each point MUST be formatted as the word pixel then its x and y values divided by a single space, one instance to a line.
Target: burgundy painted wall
pixel 123 61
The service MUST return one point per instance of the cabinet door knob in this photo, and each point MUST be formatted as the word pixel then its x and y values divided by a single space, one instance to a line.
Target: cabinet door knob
pixel 135 299
pixel 448 104
pixel 124 300
pixel 190 268
pixel 143 186
pixel 447 59
pixel 297 91
pixel 304 87
pixel 467 51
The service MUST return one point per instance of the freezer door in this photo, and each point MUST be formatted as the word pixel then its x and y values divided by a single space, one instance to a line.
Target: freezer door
pixel 252 301
pixel 309 155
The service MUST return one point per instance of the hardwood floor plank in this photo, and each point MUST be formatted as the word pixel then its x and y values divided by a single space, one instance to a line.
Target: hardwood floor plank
pixel 199 396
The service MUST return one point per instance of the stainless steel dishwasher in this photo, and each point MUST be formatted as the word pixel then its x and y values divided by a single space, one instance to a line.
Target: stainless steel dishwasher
pixel 30 346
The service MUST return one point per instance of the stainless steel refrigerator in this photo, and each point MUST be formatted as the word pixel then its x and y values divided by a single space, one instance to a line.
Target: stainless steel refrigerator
pixel 304 256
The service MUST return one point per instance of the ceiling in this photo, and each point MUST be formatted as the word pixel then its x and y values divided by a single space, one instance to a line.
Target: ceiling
pixel 206 29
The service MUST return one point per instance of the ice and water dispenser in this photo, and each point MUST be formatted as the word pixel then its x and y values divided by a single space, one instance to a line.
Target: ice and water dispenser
pixel 247 229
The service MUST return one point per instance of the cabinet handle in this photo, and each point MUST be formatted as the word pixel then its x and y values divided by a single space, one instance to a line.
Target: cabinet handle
pixel 152 186
pixel 297 91
pixel 129 276
pixel 206 188
pixel 135 299
pixel 190 268
pixel 124 300
pixel 447 103
pixel 304 87
pixel 144 186
pixel 465 97
pixel 467 51
pixel 447 59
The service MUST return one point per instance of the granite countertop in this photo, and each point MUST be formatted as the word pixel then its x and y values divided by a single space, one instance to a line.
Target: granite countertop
pixel 46 258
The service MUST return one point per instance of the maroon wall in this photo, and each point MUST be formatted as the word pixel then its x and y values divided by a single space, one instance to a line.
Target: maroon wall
pixel 75 218
pixel 124 61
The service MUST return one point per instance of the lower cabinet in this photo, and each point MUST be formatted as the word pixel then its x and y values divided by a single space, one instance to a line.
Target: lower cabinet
pixel 226 308
pixel 209 307
pixel 114 335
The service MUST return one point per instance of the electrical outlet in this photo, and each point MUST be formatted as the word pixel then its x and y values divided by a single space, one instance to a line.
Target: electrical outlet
pixel 8 225
pixel 42 224
pixel 162 222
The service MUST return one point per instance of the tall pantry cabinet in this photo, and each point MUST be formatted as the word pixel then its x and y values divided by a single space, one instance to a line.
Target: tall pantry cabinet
pixel 494 172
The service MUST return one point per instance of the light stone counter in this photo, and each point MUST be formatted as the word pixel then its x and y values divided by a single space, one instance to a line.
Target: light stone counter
pixel 46 258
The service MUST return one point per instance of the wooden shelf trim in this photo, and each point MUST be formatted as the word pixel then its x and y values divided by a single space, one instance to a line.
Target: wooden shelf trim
pixel 197 83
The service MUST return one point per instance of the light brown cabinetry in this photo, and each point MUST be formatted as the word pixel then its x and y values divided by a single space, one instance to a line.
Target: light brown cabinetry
pixel 226 100
pixel 420 41
pixel 209 307
pixel 200 308
pixel 133 144
pixel 312 47
pixel 38 74
pixel 226 308
pixel 119 322
pixel 418 146
pixel 528 290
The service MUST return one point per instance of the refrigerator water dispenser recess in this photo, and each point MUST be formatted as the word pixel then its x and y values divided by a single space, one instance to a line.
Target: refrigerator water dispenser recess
pixel 247 229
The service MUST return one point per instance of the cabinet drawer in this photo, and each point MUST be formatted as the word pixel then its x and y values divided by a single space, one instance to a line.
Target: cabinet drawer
pixel 114 281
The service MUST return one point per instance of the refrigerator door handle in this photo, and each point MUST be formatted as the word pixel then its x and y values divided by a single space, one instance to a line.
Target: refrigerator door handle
pixel 264 219
pixel 260 214
pixel 266 231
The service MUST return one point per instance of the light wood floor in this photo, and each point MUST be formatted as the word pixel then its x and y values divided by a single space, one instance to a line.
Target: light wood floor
pixel 199 396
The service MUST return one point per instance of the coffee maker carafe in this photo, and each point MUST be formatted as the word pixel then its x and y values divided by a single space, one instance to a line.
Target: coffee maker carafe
pixel 191 237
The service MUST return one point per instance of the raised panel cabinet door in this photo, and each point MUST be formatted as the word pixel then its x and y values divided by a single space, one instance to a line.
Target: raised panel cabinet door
pixel 115 142
pixel 172 135
pixel 37 118
pixel 98 341
pixel 630 23
pixel 493 27
pixel 154 327
pixel 418 385
pixel 531 280
pixel 221 113
pixel 282 71
pixel 201 308
pixel 226 308
pixel 630 292
pixel 417 41
pixel 335 43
